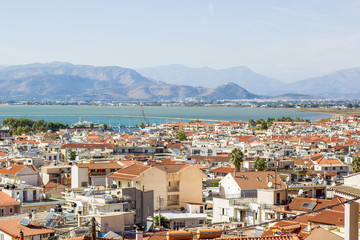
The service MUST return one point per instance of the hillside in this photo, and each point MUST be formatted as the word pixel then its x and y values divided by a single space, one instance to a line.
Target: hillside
pixel 207 77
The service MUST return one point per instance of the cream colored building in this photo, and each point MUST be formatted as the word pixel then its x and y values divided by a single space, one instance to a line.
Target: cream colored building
pixel 174 185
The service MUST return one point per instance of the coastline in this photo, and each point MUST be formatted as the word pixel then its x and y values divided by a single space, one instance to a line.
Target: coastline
pixel 333 111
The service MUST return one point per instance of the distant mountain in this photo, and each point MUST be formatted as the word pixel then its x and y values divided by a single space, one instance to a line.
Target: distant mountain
pixel 295 96
pixel 209 78
pixel 65 81
pixel 340 84
pixel 228 91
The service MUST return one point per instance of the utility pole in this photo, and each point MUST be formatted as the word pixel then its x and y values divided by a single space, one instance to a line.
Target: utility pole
pixel 93 229
pixel 159 201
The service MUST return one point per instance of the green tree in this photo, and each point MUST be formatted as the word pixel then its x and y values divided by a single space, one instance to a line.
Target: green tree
pixel 252 122
pixel 194 121
pixel 264 126
pixel 237 158
pixel 105 127
pixel 260 164
pixel 142 125
pixel 356 164
pixel 181 135
pixel 72 155
pixel 164 221
pixel 91 126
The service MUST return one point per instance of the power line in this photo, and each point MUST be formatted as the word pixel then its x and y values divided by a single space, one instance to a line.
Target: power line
pixel 249 226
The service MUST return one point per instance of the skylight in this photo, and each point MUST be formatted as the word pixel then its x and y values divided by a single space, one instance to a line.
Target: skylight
pixel 305 204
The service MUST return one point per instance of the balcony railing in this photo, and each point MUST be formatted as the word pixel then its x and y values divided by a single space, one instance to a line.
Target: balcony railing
pixel 173 189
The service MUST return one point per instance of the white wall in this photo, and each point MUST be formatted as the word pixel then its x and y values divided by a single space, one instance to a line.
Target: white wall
pixel 79 175
pixel 353 180
pixel 228 185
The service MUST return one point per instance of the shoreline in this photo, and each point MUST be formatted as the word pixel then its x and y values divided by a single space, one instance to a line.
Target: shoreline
pixel 333 111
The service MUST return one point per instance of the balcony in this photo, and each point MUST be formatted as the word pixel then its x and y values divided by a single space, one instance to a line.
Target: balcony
pixel 173 189
pixel 98 173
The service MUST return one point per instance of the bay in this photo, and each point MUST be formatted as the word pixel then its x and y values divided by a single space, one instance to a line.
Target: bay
pixel 131 115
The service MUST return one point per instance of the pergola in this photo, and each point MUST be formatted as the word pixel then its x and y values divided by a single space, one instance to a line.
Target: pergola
pixel 351 223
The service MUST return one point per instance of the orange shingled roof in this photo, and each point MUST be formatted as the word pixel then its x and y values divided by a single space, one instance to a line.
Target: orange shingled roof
pixel 87 145
pixel 6 200
pixel 12 169
pixel 13 228
pixel 99 165
pixel 282 237
pixel 223 169
pixel 257 180
pixel 129 172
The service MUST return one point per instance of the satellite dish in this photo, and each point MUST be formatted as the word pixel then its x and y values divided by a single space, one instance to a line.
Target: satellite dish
pixel 269 184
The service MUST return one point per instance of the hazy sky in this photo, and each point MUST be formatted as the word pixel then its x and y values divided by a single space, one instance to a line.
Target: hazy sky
pixel 289 40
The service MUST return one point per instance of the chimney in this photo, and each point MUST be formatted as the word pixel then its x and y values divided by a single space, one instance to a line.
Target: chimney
pixel 139 233
pixel 21 235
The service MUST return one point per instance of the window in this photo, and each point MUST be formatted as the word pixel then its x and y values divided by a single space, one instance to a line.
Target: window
pixel 2 212
pixel 119 183
pixel 84 184
pixel 277 198
pixel 11 210
pixel 169 184
pixel 341 168
pixel 128 184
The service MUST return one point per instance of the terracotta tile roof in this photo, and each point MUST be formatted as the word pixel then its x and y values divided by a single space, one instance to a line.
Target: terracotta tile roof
pixel 289 227
pixel 257 180
pixel 301 204
pixel 99 165
pixel 329 217
pixel 324 161
pixel 223 169
pixel 218 158
pixel 6 200
pixel 282 237
pixel 83 237
pixel 12 169
pixel 172 168
pixel 129 172
pixel 87 145
pixel 301 162
pixel 12 227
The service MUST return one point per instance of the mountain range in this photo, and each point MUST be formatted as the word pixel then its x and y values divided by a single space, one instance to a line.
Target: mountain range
pixel 65 81
pixel 340 84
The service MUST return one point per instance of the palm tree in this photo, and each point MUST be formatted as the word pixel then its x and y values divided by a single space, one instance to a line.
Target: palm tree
pixel 260 164
pixel 356 164
pixel 237 158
